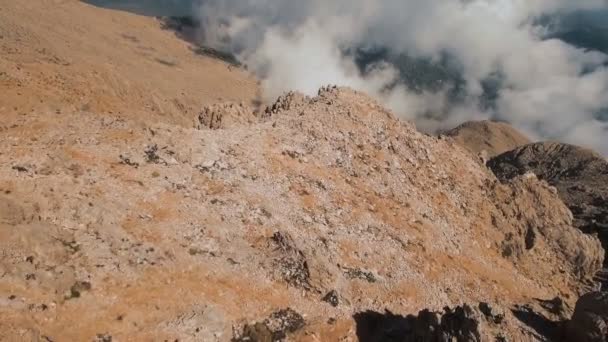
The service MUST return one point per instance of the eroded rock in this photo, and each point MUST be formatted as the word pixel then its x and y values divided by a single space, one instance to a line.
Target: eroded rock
pixel 275 328
pixel 225 115
pixel 579 175
pixel 291 262
pixel 541 223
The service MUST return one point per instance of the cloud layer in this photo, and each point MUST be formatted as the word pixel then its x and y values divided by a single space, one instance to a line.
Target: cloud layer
pixel 548 88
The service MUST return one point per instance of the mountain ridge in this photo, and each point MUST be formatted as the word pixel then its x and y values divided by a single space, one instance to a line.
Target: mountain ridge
pixel 313 218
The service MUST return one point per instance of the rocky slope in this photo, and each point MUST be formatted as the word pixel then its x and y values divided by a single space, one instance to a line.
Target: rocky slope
pixel 69 56
pixel 327 206
pixel 488 138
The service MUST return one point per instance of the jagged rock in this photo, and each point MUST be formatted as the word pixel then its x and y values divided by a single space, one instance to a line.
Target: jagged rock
pixel 332 298
pixel 151 153
pixel 225 115
pixel 286 102
pixel 544 325
pixel 556 307
pixel 127 161
pixel 284 322
pixel 355 273
pixel 330 193
pixel 78 288
pixel 462 324
pixel 579 175
pixel 291 263
pixel 20 168
pixel 540 220
pixel 258 332
pixel 590 320
pixel 492 312
pixel 103 338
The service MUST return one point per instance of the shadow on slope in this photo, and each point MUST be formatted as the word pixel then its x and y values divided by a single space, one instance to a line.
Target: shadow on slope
pixel 188 29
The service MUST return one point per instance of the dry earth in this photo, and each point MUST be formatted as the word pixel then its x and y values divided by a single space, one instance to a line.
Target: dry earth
pixel 64 55
pixel 126 218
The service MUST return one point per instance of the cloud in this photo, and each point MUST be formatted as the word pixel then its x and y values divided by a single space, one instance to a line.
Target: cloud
pixel 547 87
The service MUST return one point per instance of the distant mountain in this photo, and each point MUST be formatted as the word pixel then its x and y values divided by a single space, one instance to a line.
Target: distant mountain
pixel 151 8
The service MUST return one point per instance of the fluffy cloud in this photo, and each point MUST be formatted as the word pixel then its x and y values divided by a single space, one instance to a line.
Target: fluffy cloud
pixel 548 88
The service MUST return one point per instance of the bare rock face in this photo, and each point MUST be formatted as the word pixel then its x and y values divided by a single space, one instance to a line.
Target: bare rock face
pixel 579 175
pixel 487 138
pixel 590 320
pixel 540 222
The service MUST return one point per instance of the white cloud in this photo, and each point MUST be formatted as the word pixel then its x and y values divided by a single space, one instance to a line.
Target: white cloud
pixel 299 45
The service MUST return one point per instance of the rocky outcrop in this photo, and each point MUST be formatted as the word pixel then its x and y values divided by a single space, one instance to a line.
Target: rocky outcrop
pixel 487 138
pixel 232 115
pixel 539 223
pixel 225 115
pixel 579 175
pixel 286 102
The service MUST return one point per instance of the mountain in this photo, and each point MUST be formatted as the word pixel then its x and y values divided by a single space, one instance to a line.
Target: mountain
pixel 487 137
pixel 147 194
